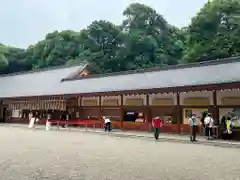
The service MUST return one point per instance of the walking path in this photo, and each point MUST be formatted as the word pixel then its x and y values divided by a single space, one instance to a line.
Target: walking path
pixel 136 134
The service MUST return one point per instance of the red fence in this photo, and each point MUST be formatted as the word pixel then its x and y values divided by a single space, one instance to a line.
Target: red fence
pixel 167 128
pixel 85 123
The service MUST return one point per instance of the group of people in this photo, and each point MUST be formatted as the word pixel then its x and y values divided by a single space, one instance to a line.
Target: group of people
pixel 206 120
pixel 207 123
pixel 157 123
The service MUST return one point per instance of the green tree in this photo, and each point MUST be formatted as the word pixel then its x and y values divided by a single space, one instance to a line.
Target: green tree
pixel 150 39
pixel 215 32
pixel 144 39
pixel 3 62
pixel 16 60
pixel 56 49
pixel 3 59
pixel 99 46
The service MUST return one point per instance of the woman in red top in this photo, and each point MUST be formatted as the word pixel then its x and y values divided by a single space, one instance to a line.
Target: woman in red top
pixel 157 124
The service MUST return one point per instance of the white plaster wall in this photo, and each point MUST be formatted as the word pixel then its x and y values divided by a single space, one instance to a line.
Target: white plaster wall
pixel 111 97
pixel 197 94
pixel 227 93
pixel 163 96
pixel 143 96
pixel 91 98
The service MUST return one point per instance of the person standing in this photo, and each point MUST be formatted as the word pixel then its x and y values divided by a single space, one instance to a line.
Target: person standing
pixel 193 127
pixel 209 123
pixel 48 123
pixel 37 118
pixel 30 115
pixel 67 119
pixel 63 119
pixel 157 124
pixel 204 114
pixel 32 122
pixel 49 116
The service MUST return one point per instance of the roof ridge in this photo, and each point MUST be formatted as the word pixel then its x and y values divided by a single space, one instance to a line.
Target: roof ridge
pixel 43 69
pixel 164 68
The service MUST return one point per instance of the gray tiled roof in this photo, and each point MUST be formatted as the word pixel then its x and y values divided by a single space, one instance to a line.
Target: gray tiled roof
pixel 188 76
pixel 36 83
pixel 49 82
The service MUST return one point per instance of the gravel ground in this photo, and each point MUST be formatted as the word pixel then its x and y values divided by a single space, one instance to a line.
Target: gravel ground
pixel 34 155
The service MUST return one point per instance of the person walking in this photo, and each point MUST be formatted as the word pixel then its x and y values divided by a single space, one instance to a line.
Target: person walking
pixel 193 127
pixel 157 124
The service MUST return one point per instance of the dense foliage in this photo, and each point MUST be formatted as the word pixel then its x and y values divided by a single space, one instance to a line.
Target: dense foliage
pixel 144 39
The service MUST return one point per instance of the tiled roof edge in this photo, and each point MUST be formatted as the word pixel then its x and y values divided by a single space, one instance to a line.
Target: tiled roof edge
pixel 164 68
pixel 72 75
pixel 44 69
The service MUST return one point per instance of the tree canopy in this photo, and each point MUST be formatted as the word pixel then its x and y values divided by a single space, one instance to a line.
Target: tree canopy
pixel 144 39
pixel 215 31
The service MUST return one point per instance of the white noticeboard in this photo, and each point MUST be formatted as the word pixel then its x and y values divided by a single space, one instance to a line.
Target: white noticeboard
pixel 16 113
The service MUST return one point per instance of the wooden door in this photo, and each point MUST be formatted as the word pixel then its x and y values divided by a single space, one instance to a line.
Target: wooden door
pixel 90 113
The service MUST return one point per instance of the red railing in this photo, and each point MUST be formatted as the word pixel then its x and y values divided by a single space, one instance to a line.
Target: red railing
pixel 85 123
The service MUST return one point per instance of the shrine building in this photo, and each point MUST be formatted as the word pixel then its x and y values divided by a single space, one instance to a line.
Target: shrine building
pixel 129 98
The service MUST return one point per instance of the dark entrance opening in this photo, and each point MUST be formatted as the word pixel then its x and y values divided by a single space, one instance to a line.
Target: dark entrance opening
pixel 130 116
pixel 4 115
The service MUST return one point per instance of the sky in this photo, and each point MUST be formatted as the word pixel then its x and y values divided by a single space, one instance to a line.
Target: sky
pixel 25 22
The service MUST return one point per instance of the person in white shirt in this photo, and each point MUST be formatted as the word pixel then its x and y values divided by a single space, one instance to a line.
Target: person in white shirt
pixel 107 122
pixel 209 123
pixel 32 122
pixel 30 115
pixel 48 123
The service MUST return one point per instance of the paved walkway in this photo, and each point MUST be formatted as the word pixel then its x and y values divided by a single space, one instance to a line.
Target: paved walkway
pixel 136 134
pixel 61 155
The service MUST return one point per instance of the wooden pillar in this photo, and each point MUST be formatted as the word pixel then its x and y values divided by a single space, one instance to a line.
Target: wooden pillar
pixel 1 110
pixel 148 113
pixel 215 107
pixel 178 113
pixel 121 111
pixel 80 101
pixel 80 111
pixel 100 108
